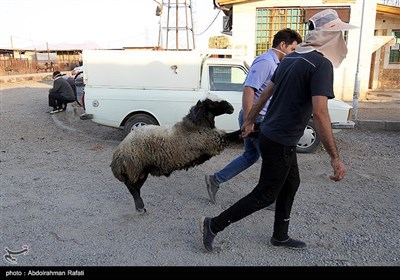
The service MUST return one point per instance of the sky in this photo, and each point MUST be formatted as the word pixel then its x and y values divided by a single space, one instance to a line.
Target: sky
pixel 102 23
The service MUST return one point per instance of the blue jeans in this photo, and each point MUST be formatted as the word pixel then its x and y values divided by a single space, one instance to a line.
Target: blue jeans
pixel 250 155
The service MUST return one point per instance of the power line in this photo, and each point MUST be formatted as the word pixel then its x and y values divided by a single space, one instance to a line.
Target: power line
pixel 208 27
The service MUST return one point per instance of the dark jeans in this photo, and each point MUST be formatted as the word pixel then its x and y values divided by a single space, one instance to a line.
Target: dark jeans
pixel 57 101
pixel 279 179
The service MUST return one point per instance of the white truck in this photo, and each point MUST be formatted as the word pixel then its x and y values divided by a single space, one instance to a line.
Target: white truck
pixel 129 88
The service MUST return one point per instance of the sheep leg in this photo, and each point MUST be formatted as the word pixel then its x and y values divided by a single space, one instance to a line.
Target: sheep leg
pixel 233 136
pixel 134 189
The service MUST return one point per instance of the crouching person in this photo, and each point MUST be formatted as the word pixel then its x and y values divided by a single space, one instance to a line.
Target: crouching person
pixel 60 94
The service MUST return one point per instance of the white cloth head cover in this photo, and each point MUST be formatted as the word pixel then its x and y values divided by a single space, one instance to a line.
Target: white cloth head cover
pixel 325 36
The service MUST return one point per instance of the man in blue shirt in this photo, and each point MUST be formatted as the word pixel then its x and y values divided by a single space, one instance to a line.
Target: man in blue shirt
pixel 260 73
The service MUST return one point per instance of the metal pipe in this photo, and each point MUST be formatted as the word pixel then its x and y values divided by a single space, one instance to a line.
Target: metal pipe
pixel 356 92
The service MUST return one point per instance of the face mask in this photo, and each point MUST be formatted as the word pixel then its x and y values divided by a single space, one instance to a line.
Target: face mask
pixel 279 51
pixel 330 43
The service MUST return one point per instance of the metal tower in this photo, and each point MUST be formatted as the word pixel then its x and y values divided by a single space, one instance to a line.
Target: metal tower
pixel 176 25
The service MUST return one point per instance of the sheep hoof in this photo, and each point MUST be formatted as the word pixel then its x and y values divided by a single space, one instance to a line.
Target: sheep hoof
pixel 141 210
pixel 139 205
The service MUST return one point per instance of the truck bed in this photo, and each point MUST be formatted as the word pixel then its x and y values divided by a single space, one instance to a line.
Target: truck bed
pixel 152 69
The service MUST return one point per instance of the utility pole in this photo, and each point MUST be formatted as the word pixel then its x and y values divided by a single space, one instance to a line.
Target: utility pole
pixel 356 92
pixel 159 11
pixel 48 53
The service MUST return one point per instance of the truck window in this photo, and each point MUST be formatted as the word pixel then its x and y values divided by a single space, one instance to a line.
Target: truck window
pixel 226 78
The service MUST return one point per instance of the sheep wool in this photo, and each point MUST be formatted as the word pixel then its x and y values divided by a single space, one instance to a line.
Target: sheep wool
pixel 158 150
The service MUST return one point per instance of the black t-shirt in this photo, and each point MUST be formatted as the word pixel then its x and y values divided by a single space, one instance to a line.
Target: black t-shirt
pixel 297 78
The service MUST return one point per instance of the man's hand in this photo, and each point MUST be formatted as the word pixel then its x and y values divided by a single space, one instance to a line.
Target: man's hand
pixel 324 129
pixel 339 169
pixel 247 128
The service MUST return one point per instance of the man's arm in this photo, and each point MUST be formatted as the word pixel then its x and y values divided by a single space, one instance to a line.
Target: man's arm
pixel 56 87
pixel 248 124
pixel 323 126
pixel 247 100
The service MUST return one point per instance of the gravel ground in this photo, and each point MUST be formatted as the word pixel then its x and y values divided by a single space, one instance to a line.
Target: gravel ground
pixel 59 197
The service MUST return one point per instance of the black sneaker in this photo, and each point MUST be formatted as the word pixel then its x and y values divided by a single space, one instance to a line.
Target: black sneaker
pixel 289 243
pixel 212 187
pixel 206 233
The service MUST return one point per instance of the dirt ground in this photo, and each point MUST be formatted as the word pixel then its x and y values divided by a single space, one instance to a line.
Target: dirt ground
pixel 60 199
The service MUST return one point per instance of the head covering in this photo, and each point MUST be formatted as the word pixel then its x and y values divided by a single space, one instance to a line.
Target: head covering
pixel 328 20
pixel 325 36
pixel 56 74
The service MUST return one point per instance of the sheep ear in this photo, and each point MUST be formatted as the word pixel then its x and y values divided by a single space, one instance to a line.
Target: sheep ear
pixel 198 112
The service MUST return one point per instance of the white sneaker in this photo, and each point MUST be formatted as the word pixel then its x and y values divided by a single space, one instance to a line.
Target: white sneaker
pixel 55 111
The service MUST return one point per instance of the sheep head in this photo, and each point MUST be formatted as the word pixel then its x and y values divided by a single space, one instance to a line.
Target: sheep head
pixel 207 109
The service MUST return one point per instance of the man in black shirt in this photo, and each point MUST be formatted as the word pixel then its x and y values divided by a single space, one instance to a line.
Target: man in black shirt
pixel 301 86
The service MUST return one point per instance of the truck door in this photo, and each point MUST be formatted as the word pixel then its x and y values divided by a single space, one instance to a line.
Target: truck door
pixel 226 81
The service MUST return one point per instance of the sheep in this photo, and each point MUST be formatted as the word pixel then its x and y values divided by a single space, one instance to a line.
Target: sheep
pixel 160 150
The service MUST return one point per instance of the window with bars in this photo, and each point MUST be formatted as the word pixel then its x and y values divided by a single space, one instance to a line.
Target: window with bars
pixel 394 57
pixel 271 20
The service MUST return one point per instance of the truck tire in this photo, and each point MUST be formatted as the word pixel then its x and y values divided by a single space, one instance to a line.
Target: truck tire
pixel 138 120
pixel 310 141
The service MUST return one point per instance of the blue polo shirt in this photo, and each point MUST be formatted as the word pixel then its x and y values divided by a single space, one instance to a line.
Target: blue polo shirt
pixel 260 73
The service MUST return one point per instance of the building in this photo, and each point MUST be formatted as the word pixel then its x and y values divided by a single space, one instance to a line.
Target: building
pixel 385 64
pixel 372 62
pixel 45 58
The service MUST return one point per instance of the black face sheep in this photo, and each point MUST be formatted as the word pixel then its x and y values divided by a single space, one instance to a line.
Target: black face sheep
pixel 159 150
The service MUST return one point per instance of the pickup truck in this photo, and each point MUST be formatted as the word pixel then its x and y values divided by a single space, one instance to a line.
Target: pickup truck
pixel 130 88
